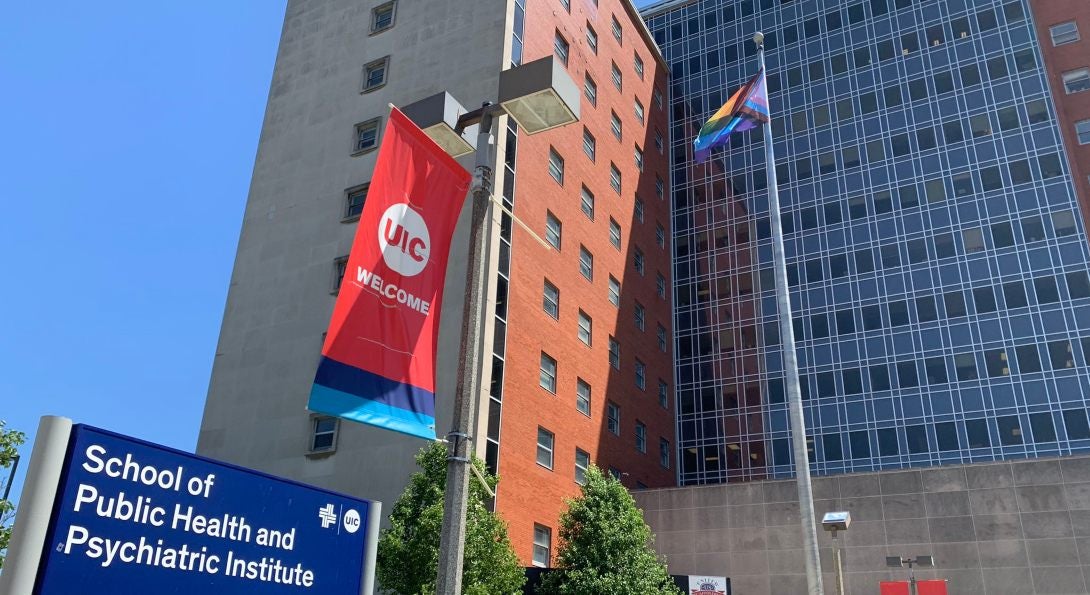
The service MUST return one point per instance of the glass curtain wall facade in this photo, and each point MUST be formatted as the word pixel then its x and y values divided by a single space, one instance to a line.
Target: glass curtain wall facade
pixel 937 260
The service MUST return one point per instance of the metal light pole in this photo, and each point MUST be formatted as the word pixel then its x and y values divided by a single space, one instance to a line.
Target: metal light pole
pixel 453 532
pixel 833 522
pixel 791 365
pixel 538 96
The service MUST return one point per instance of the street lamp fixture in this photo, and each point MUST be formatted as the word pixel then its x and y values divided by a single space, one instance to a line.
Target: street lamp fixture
pixel 921 561
pixel 539 95
pixel 833 522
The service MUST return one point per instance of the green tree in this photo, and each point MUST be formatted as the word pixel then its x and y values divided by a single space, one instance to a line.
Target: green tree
pixel 605 547
pixel 10 440
pixel 408 551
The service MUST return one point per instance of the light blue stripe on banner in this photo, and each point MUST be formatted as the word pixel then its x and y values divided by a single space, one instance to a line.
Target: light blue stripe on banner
pixel 334 402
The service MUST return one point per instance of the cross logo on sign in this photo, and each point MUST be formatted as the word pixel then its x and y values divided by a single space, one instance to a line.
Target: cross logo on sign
pixel 327 516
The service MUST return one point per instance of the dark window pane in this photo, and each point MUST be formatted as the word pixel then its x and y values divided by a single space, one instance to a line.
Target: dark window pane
pixel 1020 172
pixel 845 322
pixel 1047 292
pixel 947 435
pixel 965 365
pixel 917 250
pixel 879 377
pixel 872 318
pixel 860 444
pixel 986 20
pixel 907 376
pixel 944 82
pixel 826 382
pixel 1029 360
pixel 819 326
pixel 898 313
pixel 833 213
pixel 892 95
pixel 997 68
pixel 1033 230
pixel 1059 353
pixel 891 256
pixel 926 310
pixel 944 246
pixel 831 444
pixel 1010 432
pixel 955 304
pixel 1014 293
pixel 977 431
pixel 936 370
pixel 1042 427
pixel 908 196
pixel 838 266
pixel 864 261
pixel 853 381
pixel 970 75
pixel 1078 285
pixel 984 298
pixel 1002 235
pixel 952 131
pixel 995 361
pixel 887 442
pixel 1075 422
pixel 868 102
pixel 917 439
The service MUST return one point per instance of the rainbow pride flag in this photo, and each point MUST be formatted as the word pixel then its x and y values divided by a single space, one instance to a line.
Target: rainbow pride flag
pixel 747 108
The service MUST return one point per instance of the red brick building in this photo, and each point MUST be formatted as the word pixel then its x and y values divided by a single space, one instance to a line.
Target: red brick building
pixel 603 180
pixel 1063 28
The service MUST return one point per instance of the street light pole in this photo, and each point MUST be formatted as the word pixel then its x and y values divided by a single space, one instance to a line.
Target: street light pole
pixel 11 475
pixel 790 364
pixel 455 496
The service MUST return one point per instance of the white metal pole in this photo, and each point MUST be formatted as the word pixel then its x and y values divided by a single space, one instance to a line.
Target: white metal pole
pixel 790 364
pixel 43 475
pixel 370 554
pixel 453 532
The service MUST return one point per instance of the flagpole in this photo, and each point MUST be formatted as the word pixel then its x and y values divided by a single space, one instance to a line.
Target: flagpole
pixel 790 361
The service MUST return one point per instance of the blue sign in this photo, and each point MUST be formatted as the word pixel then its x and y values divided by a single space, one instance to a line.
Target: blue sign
pixel 133 518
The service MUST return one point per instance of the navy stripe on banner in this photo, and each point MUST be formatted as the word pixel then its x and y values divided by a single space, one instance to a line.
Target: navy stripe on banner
pixel 367 385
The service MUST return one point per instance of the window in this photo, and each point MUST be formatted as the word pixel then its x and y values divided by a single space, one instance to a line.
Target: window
pixel 582 397
pixel 657 96
pixel 382 16
pixel 543 537
pixel 663 397
pixel 614 353
pixel 374 74
pixel 1076 80
pixel 661 334
pixel 551 300
pixel 660 285
pixel 323 437
pixel 560 48
pixel 582 462
pixel 556 166
pixel 613 418
pixel 615 125
pixel 544 448
pixel 354 200
pixel 638 261
pixel 547 377
pixel 637 108
pixel 616 26
pixel 614 233
pixel 1082 130
pixel 1059 353
pixel 589 144
pixel 590 90
pixel 585 326
pixel 366 135
pixel 660 235
pixel 592 39
pixel 615 73
pixel 664 453
pixel 553 229
pixel 614 291
pixel 1075 422
pixel 614 178
pixel 1064 33
pixel 640 316
pixel 637 62
pixel 586 263
pixel 637 209
pixel 638 157
pixel 567 5
pixel 586 203
pixel 641 437
pixel 339 266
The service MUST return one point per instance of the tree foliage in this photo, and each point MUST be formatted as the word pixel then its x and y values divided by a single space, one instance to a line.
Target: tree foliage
pixel 605 546
pixel 10 440
pixel 408 551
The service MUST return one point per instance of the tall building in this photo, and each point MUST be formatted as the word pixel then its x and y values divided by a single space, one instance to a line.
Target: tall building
pixel 578 325
pixel 937 251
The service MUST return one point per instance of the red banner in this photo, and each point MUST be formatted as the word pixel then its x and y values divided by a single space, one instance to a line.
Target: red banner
pixel 378 361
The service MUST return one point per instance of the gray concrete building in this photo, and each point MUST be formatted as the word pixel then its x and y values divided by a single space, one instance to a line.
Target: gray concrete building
pixel 1012 528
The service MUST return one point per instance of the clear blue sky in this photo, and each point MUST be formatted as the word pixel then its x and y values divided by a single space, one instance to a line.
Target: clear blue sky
pixel 129 131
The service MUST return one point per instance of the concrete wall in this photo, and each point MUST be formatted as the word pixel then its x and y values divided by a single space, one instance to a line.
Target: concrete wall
pixel 1016 528
pixel 280 300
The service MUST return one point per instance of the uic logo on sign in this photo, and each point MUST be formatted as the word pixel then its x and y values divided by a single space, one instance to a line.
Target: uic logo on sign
pixel 351 520
pixel 404 240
